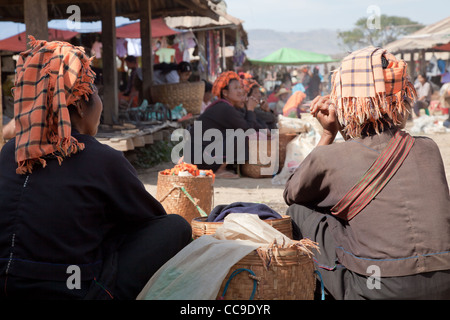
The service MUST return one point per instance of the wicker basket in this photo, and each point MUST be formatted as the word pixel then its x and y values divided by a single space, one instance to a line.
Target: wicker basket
pixel 190 94
pixel 201 227
pixel 253 170
pixel 289 277
pixel 175 201
pixel 284 139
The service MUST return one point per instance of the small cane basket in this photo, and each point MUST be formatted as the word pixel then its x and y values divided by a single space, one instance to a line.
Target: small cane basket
pixel 190 94
pixel 201 227
pixel 187 196
pixel 286 275
pixel 254 169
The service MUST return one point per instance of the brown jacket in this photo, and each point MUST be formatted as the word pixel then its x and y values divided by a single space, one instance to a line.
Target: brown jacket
pixel 405 229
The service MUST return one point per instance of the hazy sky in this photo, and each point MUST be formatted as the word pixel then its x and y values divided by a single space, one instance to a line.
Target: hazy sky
pixel 303 15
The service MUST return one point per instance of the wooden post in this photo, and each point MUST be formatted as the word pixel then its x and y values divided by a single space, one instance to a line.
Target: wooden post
pixel 224 63
pixel 146 45
pixel 1 110
pixel 110 77
pixel 201 43
pixel 36 18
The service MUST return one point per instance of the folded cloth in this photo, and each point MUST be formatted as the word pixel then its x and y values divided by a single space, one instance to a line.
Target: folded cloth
pixel 263 211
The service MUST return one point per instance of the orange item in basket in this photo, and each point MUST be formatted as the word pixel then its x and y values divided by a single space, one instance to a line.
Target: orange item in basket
pixel 191 168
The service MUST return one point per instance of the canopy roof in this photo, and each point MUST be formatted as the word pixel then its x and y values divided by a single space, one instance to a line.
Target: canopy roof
pixel 92 9
pixel 426 38
pixel 133 30
pixel 18 42
pixel 289 56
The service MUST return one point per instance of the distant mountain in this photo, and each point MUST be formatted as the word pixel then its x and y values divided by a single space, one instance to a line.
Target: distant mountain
pixel 264 42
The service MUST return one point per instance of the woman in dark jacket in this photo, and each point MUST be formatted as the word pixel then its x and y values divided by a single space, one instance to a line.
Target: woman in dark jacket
pixel 75 222
pixel 226 113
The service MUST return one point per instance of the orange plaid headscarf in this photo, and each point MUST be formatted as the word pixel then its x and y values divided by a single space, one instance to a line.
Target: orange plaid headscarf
pixel 364 92
pixel 222 81
pixel 249 84
pixel 49 77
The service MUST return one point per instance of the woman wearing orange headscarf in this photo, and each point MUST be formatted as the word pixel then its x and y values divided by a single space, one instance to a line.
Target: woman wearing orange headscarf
pixel 227 112
pixel 76 222
pixel 378 203
pixel 265 117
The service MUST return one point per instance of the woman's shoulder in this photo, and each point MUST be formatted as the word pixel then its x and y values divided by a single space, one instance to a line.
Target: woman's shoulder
pixel 96 150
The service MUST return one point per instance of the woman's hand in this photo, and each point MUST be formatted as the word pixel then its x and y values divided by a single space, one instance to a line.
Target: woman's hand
pixel 264 105
pixel 251 103
pixel 324 110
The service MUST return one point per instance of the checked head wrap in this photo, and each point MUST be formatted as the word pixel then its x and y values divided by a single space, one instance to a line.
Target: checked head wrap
pixel 222 82
pixel 249 84
pixel 366 92
pixel 49 77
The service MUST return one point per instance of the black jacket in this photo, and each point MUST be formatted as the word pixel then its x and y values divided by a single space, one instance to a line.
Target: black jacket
pixel 61 215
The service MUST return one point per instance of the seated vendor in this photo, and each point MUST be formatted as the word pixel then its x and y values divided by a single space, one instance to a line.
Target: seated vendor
pixel 76 222
pixel 227 112
pixel 378 203
pixel 265 116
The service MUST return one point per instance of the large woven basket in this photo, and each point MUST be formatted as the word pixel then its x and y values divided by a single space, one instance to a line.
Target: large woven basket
pixel 190 94
pixel 289 277
pixel 201 227
pixel 254 170
pixel 175 201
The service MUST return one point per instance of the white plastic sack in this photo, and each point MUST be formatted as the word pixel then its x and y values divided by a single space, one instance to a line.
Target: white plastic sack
pixel 197 271
pixel 296 150
pixel 292 125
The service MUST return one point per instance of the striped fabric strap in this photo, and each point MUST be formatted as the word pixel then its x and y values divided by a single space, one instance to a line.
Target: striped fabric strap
pixel 378 175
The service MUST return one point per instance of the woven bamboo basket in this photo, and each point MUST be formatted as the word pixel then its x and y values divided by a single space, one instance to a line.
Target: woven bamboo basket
pixel 201 227
pixel 284 139
pixel 190 94
pixel 175 201
pixel 288 277
pixel 254 170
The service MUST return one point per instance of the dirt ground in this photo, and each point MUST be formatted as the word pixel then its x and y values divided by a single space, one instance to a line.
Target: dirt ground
pixel 227 191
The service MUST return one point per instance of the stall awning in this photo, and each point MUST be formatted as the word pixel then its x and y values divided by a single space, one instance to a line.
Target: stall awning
pixel 289 56
pixel 133 30
pixel 18 42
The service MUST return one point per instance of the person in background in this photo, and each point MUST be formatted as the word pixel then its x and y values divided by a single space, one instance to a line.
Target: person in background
pixel 208 96
pixel 424 92
pixel 283 96
pixel 85 217
pixel 165 73
pixel 273 95
pixel 314 86
pixel 184 70
pixel 264 115
pixel 132 95
pixel 381 215
pixel 227 112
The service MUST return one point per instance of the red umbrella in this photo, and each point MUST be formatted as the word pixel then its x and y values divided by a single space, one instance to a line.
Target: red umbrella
pixel 18 42
pixel 133 30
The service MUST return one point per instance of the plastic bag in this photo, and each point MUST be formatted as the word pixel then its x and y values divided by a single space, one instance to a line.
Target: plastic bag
pixel 296 150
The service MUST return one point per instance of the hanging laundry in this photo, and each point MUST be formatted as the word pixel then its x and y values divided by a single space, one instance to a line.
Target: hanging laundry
pixel 121 47
pixel 166 55
pixel 134 47
pixel 185 42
